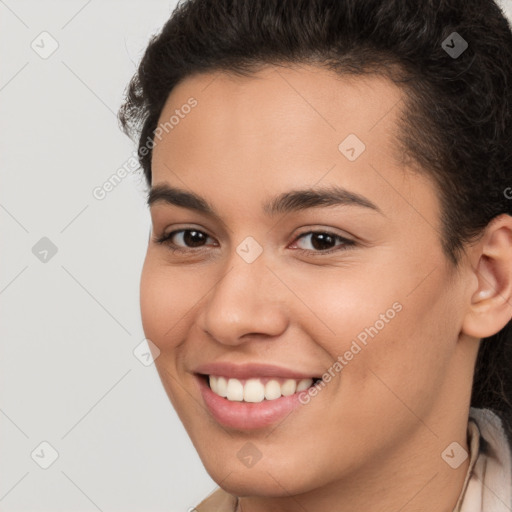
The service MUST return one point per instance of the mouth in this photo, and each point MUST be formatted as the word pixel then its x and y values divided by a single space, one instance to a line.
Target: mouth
pixel 252 395
pixel 257 389
pixel 252 403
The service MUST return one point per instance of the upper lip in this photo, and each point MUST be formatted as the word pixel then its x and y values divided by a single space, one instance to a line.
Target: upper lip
pixel 250 370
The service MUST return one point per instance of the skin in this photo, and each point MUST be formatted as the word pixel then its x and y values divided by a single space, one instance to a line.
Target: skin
pixel 372 439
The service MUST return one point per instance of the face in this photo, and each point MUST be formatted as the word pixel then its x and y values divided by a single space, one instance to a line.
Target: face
pixel 268 289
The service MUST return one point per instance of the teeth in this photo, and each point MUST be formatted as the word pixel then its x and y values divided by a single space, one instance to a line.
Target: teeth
pixel 235 390
pixel 222 386
pixel 272 390
pixel 289 387
pixel 254 390
pixel 304 384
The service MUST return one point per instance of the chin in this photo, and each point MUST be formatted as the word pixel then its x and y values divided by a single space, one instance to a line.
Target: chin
pixel 269 478
pixel 252 482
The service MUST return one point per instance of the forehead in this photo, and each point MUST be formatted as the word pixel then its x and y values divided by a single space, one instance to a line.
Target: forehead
pixel 299 102
pixel 284 126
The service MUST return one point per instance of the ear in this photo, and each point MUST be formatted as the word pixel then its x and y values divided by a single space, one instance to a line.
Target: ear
pixel 491 300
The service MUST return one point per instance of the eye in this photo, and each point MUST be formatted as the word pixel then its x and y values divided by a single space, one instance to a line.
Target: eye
pixel 324 242
pixel 321 242
pixel 190 238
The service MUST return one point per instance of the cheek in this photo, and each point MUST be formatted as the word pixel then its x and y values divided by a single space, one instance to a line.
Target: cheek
pixel 394 337
pixel 340 306
pixel 403 367
pixel 166 297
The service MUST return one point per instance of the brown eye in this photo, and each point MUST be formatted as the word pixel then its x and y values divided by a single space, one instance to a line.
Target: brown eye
pixel 192 238
pixel 324 242
pixel 184 239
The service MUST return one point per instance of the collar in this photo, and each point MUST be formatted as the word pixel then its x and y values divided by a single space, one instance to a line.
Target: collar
pixel 488 483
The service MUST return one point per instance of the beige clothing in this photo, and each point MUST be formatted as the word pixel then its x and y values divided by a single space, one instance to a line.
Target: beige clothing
pixel 488 483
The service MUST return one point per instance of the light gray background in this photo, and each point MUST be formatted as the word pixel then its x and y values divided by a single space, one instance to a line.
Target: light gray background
pixel 69 325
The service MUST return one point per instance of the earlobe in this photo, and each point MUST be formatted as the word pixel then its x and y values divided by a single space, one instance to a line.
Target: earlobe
pixel 490 307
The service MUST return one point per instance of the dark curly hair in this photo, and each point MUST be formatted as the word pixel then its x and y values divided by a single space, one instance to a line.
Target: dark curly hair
pixel 456 124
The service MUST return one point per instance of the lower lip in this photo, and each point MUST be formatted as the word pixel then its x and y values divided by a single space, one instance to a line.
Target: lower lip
pixel 247 415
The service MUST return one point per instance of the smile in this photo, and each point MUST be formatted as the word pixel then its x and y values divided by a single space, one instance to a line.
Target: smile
pixel 251 395
pixel 256 390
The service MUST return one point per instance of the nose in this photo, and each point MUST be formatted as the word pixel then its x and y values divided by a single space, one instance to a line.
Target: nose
pixel 246 303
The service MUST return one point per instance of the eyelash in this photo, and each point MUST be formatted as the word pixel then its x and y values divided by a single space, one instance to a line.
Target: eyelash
pixel 347 244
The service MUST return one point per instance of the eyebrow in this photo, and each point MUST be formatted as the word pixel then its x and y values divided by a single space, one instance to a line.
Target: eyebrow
pixel 292 201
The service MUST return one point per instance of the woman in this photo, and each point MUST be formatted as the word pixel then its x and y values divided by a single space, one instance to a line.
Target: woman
pixel 329 274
